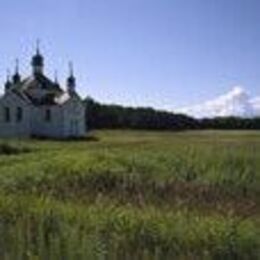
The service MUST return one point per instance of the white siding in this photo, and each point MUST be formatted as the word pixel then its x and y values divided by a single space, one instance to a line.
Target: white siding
pixel 41 127
pixel 14 128
pixel 74 118
pixel 66 120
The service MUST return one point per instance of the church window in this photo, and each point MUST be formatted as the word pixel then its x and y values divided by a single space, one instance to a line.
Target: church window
pixel 48 115
pixel 7 116
pixel 19 114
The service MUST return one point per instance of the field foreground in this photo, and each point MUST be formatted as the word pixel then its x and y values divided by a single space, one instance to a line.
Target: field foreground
pixel 131 195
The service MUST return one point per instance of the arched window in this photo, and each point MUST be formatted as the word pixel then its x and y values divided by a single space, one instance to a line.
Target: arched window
pixel 7 116
pixel 47 115
pixel 19 114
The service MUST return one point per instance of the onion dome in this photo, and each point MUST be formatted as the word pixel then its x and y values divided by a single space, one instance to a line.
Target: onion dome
pixel 71 80
pixel 16 76
pixel 37 61
pixel 8 83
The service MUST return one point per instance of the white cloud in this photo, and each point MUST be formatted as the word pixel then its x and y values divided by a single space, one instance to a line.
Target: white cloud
pixel 234 103
pixel 255 103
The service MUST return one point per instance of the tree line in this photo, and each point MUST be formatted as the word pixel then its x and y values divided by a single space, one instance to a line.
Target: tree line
pixel 100 116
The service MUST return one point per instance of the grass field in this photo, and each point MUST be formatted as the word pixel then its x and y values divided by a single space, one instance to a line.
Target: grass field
pixel 132 195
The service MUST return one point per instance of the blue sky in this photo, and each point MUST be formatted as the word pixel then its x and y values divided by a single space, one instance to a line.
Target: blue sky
pixel 161 53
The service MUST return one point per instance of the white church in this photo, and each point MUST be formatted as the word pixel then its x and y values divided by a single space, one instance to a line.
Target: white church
pixel 38 106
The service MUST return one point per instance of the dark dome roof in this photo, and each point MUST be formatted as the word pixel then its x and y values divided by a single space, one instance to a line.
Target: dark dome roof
pixel 8 84
pixel 16 77
pixel 37 60
pixel 71 80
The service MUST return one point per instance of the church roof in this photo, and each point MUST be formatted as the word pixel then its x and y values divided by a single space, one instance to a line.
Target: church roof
pixel 39 81
pixel 53 93
pixel 39 89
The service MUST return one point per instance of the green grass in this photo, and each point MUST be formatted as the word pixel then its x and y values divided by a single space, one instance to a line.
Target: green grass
pixel 132 195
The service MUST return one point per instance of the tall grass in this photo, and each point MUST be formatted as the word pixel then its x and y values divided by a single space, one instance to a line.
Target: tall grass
pixel 45 228
pixel 132 195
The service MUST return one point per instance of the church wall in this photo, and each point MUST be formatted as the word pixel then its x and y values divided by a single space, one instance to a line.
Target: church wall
pixel 66 120
pixel 41 126
pixel 74 118
pixel 14 128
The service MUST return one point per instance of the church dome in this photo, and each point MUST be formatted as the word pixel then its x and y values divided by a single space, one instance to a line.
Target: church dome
pixel 16 76
pixel 8 83
pixel 71 80
pixel 37 60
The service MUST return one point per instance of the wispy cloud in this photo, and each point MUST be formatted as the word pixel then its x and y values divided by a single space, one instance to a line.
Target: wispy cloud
pixel 237 102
